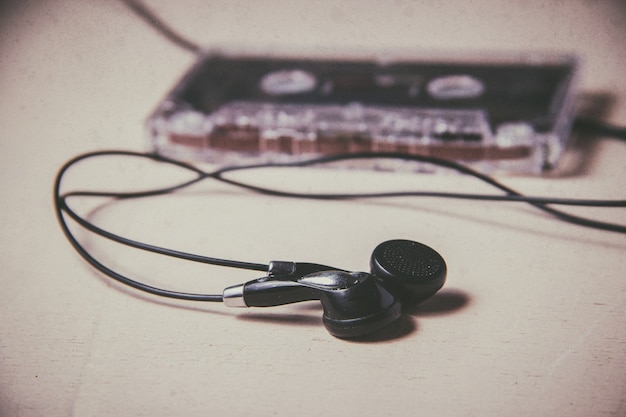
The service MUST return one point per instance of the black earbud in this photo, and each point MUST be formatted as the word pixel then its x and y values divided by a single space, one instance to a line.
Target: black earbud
pixel 414 271
pixel 361 308
pixel 355 303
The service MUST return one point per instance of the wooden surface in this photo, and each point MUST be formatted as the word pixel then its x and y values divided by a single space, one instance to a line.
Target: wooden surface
pixel 530 323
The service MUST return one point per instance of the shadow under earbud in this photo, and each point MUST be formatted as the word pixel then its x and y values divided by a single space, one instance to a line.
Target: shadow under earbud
pixel 446 301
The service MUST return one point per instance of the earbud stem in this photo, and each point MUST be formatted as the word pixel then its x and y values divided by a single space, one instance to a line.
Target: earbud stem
pixel 267 292
pixel 278 288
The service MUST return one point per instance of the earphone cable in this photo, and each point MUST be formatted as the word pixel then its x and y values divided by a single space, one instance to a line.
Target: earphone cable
pixel 163 28
pixel 511 195
pixel 62 207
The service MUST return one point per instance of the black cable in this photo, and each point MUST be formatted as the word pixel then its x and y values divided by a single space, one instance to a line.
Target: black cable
pixel 163 28
pixel 511 195
pixel 62 207
pixel 598 128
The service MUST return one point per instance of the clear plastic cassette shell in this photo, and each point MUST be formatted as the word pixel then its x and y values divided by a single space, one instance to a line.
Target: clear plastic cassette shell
pixel 511 116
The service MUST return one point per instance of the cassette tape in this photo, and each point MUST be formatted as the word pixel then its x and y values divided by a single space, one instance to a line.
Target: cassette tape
pixel 508 115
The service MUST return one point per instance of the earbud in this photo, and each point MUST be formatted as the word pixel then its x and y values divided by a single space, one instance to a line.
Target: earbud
pixel 413 270
pixel 363 307
pixel 355 303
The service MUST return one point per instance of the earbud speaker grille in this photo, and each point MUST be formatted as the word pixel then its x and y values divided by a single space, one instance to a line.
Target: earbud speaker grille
pixel 409 259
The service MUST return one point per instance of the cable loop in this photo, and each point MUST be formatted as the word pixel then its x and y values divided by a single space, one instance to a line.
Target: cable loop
pixel 63 209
